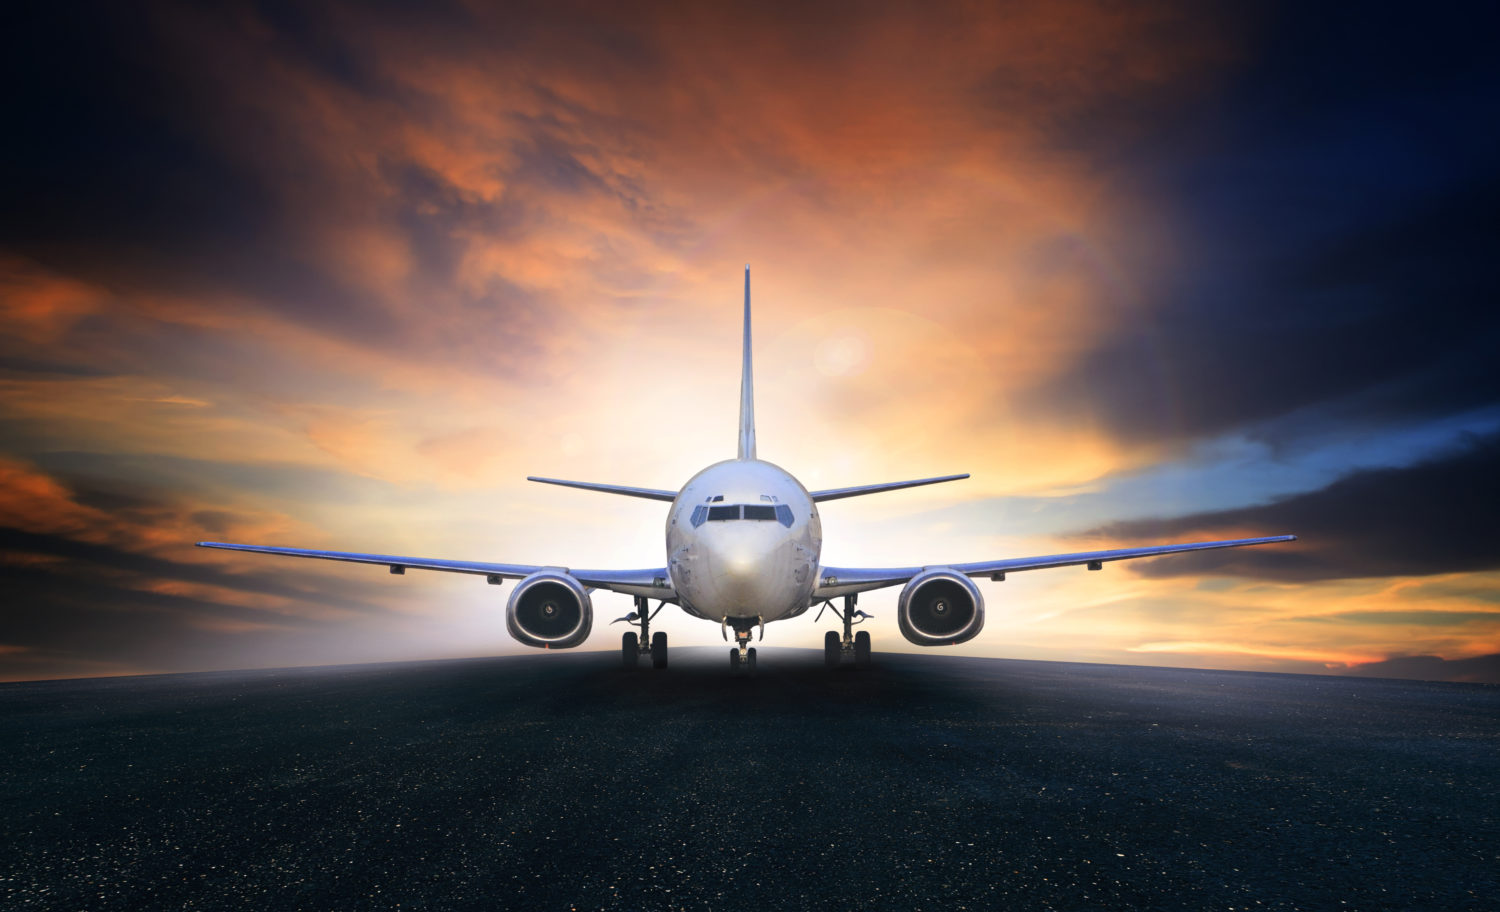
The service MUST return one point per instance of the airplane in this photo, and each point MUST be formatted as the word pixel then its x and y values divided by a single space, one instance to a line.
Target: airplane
pixel 743 547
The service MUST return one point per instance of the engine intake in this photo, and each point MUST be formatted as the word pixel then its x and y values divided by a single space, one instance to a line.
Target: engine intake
pixel 549 610
pixel 939 607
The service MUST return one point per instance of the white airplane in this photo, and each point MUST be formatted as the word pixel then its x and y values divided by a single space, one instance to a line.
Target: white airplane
pixel 743 548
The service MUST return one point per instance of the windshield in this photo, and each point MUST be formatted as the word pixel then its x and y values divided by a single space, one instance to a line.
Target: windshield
pixel 757 512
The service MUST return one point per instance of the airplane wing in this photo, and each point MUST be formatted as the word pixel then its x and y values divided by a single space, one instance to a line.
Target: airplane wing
pixel 855 491
pixel 628 491
pixel 836 581
pixel 651 583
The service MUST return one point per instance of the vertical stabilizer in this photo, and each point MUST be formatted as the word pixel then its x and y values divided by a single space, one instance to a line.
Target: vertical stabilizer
pixel 747 386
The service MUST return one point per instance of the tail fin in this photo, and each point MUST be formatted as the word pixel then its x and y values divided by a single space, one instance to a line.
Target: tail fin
pixel 747 386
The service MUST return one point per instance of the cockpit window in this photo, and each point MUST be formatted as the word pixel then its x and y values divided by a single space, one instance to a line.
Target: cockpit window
pixel 764 512
pixel 717 498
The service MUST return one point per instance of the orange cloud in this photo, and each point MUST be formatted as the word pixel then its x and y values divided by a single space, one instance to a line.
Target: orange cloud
pixel 486 263
pixel 38 307
pixel 35 502
pixel 629 184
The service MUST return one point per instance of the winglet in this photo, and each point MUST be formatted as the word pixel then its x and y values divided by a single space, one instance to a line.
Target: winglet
pixel 747 386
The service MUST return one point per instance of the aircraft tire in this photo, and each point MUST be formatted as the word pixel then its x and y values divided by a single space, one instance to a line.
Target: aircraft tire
pixel 659 650
pixel 630 649
pixel 734 660
pixel 862 649
pixel 833 649
pixel 750 662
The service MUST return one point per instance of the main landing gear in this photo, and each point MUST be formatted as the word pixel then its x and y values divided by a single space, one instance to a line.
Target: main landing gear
pixel 632 647
pixel 742 656
pixel 853 646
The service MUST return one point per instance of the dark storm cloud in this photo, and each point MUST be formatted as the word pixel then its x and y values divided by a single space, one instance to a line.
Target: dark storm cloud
pixel 1334 204
pixel 12 365
pixel 101 148
pixel 83 577
pixel 431 212
pixel 56 626
pixel 315 34
pixel 1472 590
pixel 1420 618
pixel 1483 669
pixel 117 172
pixel 83 607
pixel 97 522
pixel 79 603
pixel 101 560
pixel 170 151
pixel 1435 517
pixel 87 474
pixel 1388 323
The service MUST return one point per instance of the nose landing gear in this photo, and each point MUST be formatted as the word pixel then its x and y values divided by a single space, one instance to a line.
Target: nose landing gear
pixel 742 656
pixel 632 647
pixel 852 646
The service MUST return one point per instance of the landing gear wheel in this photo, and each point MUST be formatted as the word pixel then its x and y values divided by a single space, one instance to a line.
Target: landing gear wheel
pixel 833 649
pixel 630 649
pixel 659 650
pixel 734 660
pixel 862 649
pixel 750 662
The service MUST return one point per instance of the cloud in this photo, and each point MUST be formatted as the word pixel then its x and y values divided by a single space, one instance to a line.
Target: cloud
pixel 1419 520
pixel 1328 204
pixel 38 308
pixel 105 577
pixel 1387 323
pixel 1416 617
pixel 1483 669
pixel 477 204
pixel 335 274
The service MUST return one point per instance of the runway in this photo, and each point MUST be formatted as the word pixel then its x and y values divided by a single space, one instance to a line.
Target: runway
pixel 560 781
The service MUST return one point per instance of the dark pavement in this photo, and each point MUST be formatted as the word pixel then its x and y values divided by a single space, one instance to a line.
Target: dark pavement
pixel 927 782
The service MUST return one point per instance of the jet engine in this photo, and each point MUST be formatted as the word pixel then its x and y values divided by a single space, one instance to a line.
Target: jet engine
pixel 549 610
pixel 939 607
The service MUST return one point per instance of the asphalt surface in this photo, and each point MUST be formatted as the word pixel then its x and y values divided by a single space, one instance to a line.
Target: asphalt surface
pixel 559 781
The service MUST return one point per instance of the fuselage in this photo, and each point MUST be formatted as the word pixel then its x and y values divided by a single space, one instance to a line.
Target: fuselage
pixel 743 542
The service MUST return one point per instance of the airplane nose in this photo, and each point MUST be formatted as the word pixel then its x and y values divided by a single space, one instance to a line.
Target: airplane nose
pixel 745 570
pixel 743 564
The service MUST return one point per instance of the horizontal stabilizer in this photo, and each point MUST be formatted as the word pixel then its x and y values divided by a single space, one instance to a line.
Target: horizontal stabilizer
pixel 648 493
pixel 837 493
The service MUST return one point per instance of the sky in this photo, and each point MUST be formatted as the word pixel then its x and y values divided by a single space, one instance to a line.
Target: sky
pixel 340 276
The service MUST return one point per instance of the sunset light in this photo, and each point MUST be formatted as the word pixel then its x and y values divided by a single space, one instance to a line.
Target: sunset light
pixel 343 279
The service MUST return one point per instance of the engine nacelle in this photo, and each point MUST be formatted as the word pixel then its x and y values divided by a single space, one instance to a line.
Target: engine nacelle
pixel 939 607
pixel 549 610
